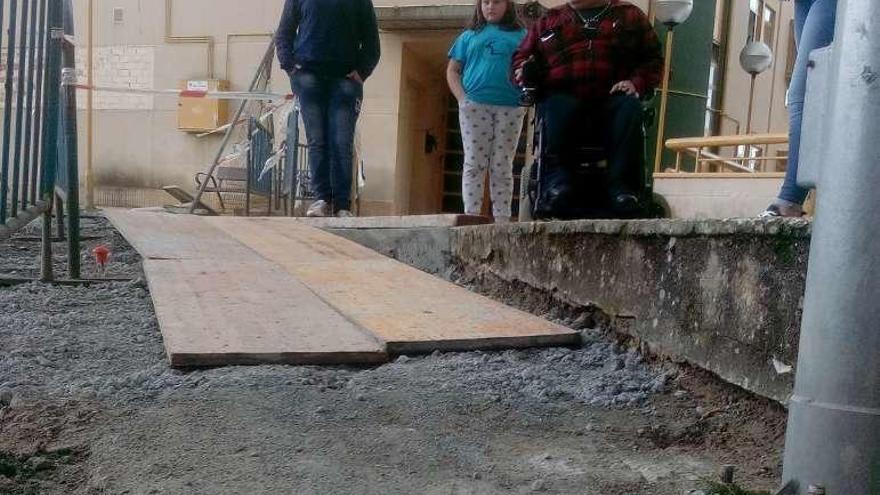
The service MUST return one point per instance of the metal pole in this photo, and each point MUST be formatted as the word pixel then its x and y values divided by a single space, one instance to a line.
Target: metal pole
pixel 17 166
pixel 751 104
pixel 90 124
pixel 46 274
pixel 37 145
pixel 664 99
pixel 7 113
pixel 833 436
pixel 267 59
pixel 28 167
pixel 71 161
pixel 5 125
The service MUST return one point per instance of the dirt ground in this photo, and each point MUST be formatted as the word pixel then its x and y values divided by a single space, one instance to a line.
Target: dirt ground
pixel 89 405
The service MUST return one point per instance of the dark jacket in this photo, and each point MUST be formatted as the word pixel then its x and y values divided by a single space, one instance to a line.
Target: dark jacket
pixel 331 37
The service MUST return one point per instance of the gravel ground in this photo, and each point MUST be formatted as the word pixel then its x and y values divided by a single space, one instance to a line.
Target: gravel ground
pixel 89 405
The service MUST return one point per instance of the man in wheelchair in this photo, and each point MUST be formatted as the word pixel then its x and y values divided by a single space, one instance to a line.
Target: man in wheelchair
pixel 588 64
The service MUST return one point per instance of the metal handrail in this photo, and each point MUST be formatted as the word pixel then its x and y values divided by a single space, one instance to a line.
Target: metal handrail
pixel 38 166
pixel 697 147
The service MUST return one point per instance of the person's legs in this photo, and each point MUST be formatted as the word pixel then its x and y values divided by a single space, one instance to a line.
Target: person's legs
pixel 623 142
pixel 558 116
pixel 475 121
pixel 344 107
pixel 313 98
pixel 505 141
pixel 814 23
pixel 557 112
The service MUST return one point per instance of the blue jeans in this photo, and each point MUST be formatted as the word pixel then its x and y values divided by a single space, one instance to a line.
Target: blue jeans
pixel 814 28
pixel 330 107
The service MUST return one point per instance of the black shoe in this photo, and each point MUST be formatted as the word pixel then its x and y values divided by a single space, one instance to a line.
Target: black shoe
pixel 626 204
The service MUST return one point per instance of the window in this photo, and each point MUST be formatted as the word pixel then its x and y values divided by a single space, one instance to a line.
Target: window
pixel 715 90
pixel 754 15
pixel 762 22
pixel 769 35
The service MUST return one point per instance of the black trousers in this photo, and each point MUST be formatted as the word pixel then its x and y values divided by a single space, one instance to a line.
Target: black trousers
pixel 614 124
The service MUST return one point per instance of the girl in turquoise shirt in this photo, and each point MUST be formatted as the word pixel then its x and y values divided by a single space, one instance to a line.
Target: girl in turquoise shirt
pixel 489 113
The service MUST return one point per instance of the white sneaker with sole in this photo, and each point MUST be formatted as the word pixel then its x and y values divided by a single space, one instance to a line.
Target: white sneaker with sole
pixel 344 214
pixel 319 208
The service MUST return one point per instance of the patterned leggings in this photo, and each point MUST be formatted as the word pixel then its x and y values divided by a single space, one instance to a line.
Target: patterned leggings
pixel 490 135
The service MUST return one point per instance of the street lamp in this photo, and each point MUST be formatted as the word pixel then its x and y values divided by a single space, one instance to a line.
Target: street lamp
pixel 671 13
pixel 755 58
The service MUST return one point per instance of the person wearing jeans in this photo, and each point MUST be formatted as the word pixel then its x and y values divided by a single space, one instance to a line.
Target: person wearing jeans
pixel 814 28
pixel 329 48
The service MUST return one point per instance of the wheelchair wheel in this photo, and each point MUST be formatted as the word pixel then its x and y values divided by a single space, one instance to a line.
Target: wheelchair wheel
pixel 658 207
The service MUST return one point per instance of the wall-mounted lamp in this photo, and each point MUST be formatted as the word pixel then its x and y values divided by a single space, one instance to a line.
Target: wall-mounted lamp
pixel 755 58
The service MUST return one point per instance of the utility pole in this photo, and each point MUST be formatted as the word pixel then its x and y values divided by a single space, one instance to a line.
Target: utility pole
pixel 90 110
pixel 833 439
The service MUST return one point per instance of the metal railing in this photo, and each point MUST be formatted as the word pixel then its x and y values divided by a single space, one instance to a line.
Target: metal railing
pixel 38 166
pixel 750 153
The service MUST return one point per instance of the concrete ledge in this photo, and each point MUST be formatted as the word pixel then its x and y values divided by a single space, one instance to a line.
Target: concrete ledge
pixel 403 18
pixel 424 248
pixel 724 295
pixel 408 222
pixel 717 195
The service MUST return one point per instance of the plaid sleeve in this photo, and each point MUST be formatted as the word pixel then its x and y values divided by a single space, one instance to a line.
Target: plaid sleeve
pixel 649 64
pixel 528 47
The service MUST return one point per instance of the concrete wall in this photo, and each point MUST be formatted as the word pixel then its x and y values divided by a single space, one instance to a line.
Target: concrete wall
pixel 723 295
pixel 717 195
pixel 137 146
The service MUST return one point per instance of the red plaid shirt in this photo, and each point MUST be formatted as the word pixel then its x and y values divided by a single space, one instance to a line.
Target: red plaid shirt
pixel 588 63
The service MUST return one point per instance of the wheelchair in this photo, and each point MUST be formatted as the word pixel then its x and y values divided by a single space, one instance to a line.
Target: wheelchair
pixel 576 185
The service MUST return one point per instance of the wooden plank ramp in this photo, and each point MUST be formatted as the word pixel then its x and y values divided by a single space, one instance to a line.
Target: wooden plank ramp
pixel 311 297
pixel 411 311
pixel 219 303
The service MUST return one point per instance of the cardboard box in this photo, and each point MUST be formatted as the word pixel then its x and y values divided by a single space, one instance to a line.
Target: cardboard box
pixel 202 114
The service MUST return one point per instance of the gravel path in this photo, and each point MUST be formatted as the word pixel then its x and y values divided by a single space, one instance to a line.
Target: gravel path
pixel 89 405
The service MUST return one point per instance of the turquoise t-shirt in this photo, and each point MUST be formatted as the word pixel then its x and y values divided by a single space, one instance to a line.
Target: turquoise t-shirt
pixel 486 56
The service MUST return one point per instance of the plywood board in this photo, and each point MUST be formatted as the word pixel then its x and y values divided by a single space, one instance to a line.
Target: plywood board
pixel 249 312
pixel 409 310
pixel 157 234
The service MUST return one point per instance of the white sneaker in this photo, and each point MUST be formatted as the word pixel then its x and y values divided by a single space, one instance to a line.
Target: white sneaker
pixel 344 214
pixel 319 208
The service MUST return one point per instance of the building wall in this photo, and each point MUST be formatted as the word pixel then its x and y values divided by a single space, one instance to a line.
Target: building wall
pixel 138 149
pixel 770 115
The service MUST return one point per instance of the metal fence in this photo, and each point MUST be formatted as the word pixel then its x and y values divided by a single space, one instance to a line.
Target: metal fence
pixel 38 166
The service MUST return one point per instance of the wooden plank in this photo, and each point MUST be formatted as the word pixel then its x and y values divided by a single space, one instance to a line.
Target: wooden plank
pixel 249 312
pixel 156 234
pixel 409 310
